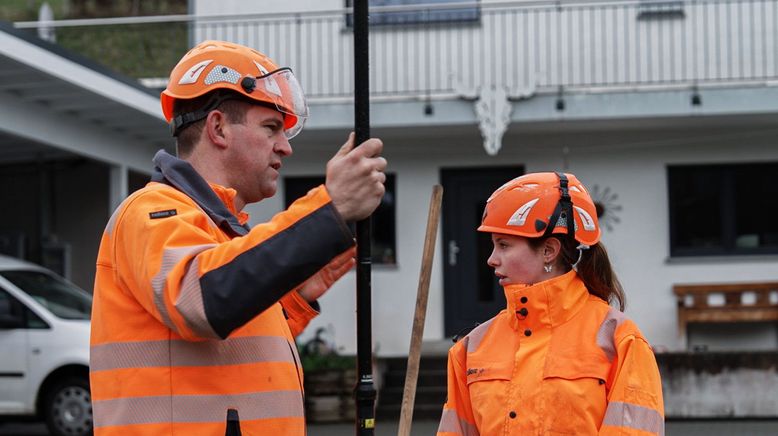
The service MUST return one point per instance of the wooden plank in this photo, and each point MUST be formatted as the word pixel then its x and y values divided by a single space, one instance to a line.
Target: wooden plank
pixel 715 314
pixel 723 287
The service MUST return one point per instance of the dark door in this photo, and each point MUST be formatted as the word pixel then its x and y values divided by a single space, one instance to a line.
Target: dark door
pixel 471 291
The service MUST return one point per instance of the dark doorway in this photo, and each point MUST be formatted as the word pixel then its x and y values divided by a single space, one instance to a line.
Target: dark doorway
pixel 471 291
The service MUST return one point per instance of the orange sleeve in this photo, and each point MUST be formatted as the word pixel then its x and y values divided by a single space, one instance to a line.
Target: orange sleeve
pixel 457 417
pixel 298 311
pixel 635 404
pixel 182 271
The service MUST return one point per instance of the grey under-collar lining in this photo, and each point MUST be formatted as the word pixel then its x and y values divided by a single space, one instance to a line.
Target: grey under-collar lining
pixel 179 174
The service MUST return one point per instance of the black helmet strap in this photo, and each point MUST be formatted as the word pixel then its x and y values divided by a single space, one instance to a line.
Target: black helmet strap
pixel 179 122
pixel 563 209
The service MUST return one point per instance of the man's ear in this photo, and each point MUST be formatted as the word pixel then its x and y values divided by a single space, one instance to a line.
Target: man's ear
pixel 215 124
pixel 551 249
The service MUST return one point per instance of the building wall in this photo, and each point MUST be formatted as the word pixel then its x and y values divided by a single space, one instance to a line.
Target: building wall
pixel 58 203
pixel 633 166
pixel 628 156
pixel 81 212
pixel 542 46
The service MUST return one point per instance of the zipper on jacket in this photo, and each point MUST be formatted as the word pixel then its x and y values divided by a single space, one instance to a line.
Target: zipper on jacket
pixel 299 371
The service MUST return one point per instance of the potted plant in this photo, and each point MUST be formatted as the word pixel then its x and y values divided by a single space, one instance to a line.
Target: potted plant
pixel 329 381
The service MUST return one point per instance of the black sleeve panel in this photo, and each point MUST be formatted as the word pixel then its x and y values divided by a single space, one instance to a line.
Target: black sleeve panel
pixel 240 290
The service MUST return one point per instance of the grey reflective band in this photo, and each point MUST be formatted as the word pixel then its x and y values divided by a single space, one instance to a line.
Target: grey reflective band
pixel 190 303
pixel 190 285
pixel 450 422
pixel 474 338
pixel 629 415
pixel 606 333
pixel 176 353
pixel 197 408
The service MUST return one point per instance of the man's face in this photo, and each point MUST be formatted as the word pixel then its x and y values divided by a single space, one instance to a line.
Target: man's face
pixel 255 152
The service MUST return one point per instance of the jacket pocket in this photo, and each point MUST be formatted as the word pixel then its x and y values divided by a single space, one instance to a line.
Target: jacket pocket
pixel 487 383
pixel 574 395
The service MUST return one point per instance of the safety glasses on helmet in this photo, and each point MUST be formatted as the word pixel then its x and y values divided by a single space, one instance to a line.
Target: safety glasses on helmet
pixel 282 89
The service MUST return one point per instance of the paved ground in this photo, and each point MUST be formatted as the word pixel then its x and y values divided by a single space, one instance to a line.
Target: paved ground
pixel 427 428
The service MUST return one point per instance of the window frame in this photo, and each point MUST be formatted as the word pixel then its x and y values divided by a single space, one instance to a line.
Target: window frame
pixel 391 189
pixel 383 19
pixel 28 316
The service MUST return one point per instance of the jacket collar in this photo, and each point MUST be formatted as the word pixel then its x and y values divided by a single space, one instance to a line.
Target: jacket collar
pixel 215 200
pixel 548 303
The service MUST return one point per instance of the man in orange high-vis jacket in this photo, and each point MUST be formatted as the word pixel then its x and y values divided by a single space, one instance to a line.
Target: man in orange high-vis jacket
pixel 195 313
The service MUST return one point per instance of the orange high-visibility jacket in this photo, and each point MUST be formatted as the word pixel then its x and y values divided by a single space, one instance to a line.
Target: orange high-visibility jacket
pixel 193 313
pixel 557 361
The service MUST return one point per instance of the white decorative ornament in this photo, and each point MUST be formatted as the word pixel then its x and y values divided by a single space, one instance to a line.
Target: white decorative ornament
pixel 494 113
pixel 520 216
pixel 586 219
pixel 193 73
pixel 493 109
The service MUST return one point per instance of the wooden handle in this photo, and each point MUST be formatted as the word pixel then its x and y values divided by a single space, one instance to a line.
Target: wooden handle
pixel 414 355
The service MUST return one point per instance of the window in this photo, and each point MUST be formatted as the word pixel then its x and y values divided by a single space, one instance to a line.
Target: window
pixel 723 209
pixel 62 298
pixel 467 12
pixel 383 238
pixel 11 309
pixel 660 9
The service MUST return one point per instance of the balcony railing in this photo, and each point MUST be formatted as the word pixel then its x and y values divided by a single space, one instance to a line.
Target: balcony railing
pixel 537 46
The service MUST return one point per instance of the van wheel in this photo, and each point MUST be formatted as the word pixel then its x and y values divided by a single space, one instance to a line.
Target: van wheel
pixel 67 407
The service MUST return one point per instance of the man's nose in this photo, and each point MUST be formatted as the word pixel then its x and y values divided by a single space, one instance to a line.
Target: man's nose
pixel 283 147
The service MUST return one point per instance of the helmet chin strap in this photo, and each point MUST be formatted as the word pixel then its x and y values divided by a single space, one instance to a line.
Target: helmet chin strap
pixel 581 248
pixel 563 211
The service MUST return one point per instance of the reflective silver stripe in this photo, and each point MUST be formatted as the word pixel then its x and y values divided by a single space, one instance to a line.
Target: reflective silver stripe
pixel 231 351
pixel 629 415
pixel 112 221
pixel 450 422
pixel 171 257
pixel 605 334
pixel 197 408
pixel 190 303
pixel 474 338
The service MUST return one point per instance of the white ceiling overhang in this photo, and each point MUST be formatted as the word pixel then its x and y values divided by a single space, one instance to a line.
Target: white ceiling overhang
pixel 54 103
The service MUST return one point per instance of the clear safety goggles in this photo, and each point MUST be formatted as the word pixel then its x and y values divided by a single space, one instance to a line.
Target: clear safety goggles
pixel 281 88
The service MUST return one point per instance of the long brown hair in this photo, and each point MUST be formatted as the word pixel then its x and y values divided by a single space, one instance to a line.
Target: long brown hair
pixel 594 268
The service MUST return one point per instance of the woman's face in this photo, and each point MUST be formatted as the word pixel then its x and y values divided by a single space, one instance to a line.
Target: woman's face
pixel 515 261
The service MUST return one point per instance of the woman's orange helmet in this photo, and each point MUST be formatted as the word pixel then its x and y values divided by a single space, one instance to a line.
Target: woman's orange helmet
pixel 218 65
pixel 539 204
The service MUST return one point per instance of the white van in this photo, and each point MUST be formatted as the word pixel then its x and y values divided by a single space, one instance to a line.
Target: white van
pixel 44 348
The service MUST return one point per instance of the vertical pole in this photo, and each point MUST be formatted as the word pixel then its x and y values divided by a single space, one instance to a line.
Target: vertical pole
pixel 364 392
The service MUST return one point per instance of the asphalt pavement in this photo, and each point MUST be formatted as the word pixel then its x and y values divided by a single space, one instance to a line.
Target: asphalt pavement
pixel 427 428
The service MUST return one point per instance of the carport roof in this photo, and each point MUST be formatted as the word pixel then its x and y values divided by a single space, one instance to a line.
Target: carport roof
pixel 58 83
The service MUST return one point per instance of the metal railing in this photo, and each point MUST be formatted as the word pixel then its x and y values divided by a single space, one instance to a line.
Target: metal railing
pixel 449 49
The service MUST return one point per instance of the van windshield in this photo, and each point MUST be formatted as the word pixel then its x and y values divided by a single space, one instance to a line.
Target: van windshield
pixel 62 298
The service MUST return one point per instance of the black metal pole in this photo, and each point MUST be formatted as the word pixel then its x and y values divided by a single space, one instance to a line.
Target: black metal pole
pixel 364 391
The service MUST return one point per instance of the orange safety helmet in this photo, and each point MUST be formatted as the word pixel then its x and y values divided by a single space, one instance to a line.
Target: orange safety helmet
pixel 218 65
pixel 538 204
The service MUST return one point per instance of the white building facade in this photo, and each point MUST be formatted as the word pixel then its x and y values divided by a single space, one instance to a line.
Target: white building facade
pixel 667 112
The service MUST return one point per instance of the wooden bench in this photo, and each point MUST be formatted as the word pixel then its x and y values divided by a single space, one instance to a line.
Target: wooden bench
pixel 695 303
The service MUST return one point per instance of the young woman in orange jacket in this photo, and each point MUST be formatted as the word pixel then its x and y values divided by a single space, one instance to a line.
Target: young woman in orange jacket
pixel 559 359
